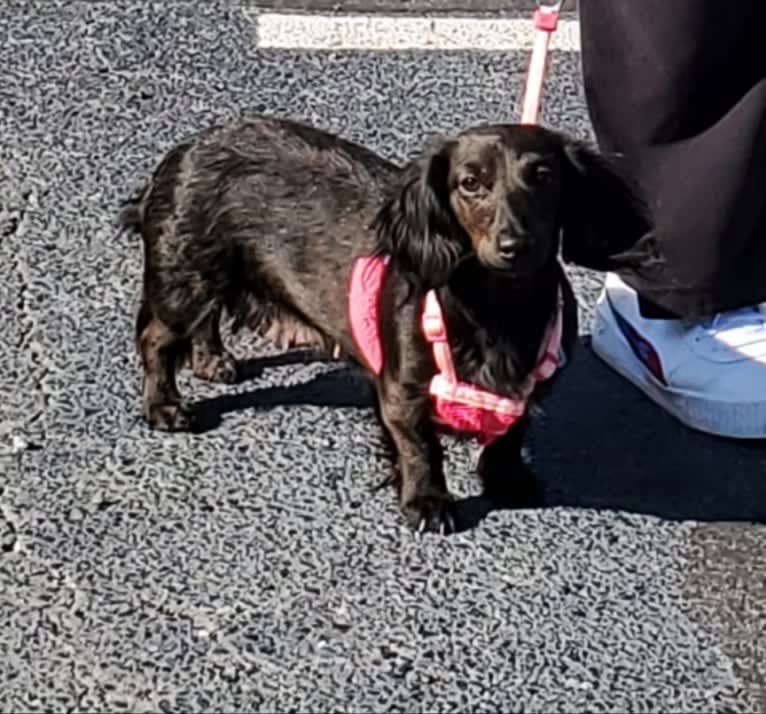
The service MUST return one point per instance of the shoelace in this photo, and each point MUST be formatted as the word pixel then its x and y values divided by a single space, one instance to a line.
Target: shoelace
pixel 742 329
pixel 746 317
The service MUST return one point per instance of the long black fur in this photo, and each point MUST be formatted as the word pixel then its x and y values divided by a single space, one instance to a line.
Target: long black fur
pixel 265 217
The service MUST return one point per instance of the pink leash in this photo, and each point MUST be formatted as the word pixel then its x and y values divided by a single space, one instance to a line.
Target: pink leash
pixel 546 20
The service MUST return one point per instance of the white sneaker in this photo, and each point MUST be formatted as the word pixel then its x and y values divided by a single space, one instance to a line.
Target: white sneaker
pixel 709 374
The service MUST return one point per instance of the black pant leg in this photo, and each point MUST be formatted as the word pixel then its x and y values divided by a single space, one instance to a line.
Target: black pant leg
pixel 679 88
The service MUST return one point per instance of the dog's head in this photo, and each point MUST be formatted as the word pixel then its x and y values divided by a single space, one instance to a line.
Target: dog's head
pixel 511 195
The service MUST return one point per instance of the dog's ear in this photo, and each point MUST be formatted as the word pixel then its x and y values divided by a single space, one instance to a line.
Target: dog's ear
pixel 415 224
pixel 605 224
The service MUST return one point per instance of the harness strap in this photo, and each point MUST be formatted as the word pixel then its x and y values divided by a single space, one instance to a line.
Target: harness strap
pixel 435 331
pixel 549 360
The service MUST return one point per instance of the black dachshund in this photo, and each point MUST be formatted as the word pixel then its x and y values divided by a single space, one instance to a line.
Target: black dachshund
pixel 267 218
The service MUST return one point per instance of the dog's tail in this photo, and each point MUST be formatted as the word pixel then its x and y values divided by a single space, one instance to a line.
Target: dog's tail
pixel 131 215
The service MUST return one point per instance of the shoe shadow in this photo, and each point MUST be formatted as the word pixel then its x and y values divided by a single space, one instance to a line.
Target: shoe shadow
pixel 604 445
pixel 600 444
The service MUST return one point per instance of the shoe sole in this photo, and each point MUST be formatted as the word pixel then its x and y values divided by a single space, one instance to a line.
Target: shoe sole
pixel 727 419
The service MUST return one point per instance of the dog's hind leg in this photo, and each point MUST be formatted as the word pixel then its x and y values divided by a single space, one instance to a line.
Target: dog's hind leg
pixel 210 359
pixel 162 350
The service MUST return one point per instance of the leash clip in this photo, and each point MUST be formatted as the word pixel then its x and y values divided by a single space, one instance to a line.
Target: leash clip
pixel 546 16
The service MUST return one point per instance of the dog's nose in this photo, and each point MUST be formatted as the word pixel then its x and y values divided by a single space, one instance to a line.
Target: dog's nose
pixel 511 247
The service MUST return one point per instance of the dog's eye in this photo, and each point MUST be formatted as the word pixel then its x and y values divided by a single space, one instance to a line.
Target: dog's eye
pixel 470 184
pixel 543 174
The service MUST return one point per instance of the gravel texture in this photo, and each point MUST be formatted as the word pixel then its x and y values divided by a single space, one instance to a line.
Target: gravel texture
pixel 249 568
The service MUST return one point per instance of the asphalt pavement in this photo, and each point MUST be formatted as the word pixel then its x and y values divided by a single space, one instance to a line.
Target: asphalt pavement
pixel 249 568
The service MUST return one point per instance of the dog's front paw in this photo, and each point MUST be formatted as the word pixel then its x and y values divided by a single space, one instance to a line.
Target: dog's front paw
pixel 170 417
pixel 433 511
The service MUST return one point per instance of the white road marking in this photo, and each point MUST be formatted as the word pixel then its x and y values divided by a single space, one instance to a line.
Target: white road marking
pixel 391 32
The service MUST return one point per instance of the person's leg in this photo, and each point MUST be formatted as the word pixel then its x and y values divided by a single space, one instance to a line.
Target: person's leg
pixel 678 89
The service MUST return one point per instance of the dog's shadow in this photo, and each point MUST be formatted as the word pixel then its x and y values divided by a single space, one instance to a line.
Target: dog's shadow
pixel 341 387
pixel 600 444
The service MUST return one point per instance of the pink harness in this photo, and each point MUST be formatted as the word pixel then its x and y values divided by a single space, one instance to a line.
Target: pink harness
pixel 462 407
